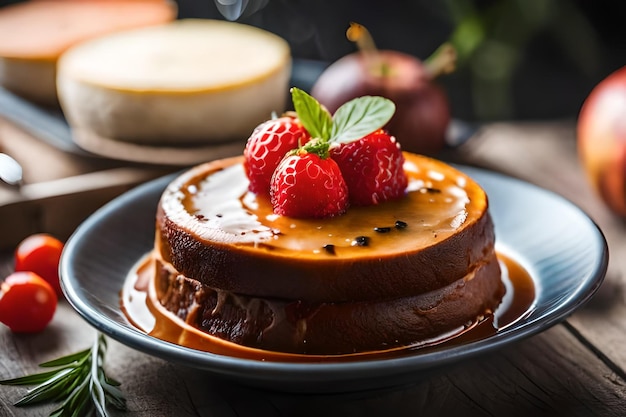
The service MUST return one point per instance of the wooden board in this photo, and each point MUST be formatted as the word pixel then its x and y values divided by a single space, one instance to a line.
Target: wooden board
pixel 576 368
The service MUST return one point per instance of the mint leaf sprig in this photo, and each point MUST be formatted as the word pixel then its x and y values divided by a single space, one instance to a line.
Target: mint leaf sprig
pixel 79 381
pixel 353 120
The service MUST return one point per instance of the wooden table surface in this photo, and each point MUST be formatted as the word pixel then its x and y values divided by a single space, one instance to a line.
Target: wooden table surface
pixel 576 368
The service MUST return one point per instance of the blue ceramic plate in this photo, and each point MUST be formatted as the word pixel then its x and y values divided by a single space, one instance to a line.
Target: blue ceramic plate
pixel 561 247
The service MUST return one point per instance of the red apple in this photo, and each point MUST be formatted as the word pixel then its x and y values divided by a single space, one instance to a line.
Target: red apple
pixel 422 109
pixel 601 135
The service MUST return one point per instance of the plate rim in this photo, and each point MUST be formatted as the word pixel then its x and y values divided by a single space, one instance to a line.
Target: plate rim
pixel 287 372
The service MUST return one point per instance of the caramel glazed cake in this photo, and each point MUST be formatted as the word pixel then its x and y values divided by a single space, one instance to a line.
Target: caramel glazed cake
pixel 401 273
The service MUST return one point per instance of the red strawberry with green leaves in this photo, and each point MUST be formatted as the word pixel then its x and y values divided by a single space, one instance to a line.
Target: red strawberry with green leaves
pixel 308 184
pixel 267 145
pixel 372 167
pixel 370 160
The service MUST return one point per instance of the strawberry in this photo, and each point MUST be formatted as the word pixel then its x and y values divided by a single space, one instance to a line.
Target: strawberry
pixel 372 167
pixel 308 184
pixel 267 145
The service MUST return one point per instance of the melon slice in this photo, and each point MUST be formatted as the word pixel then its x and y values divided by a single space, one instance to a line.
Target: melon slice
pixel 33 34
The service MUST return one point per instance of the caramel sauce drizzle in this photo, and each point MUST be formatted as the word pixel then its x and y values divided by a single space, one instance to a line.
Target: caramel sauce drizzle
pixel 139 304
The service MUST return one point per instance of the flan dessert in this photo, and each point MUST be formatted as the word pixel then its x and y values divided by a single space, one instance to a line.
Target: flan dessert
pixel 407 269
pixel 34 34
pixel 189 82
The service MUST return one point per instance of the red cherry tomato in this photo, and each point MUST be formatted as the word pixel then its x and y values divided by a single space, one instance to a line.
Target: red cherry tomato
pixel 27 302
pixel 40 253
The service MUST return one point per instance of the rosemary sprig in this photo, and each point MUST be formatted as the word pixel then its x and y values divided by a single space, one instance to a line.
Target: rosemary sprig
pixel 79 381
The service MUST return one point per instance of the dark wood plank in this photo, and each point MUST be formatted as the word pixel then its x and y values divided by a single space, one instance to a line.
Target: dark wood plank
pixel 546 154
pixel 551 374
pixel 573 369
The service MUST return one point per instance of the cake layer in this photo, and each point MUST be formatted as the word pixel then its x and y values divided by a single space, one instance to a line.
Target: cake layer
pixel 186 82
pixel 34 34
pixel 213 230
pixel 331 328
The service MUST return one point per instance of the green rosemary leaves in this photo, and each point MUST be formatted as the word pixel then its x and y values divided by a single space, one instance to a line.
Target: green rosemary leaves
pixel 79 381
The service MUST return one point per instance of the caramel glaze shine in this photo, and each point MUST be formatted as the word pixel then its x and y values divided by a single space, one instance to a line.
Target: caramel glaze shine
pixel 375 278
pixel 144 311
pixel 212 230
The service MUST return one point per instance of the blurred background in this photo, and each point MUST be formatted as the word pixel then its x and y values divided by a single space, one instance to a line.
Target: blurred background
pixel 518 59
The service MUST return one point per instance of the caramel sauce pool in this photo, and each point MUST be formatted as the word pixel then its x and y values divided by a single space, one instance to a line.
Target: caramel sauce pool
pixel 154 320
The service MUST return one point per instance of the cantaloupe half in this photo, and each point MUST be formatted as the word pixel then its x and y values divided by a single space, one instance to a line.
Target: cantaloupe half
pixel 33 34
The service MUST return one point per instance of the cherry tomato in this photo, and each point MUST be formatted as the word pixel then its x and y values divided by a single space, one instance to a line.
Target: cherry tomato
pixel 27 302
pixel 40 253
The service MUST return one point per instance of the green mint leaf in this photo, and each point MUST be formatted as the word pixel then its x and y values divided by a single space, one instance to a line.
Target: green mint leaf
pixel 315 118
pixel 359 117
